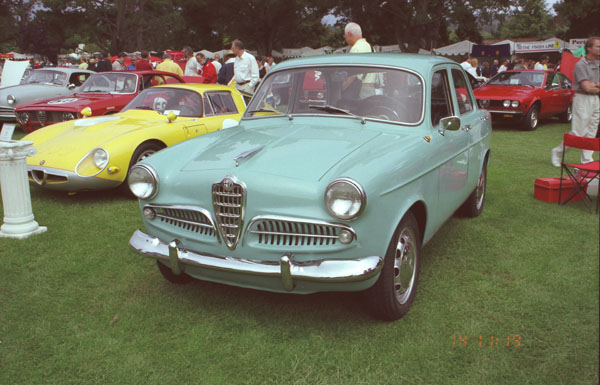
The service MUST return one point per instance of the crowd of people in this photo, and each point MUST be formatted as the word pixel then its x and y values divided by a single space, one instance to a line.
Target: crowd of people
pixel 489 69
pixel 237 62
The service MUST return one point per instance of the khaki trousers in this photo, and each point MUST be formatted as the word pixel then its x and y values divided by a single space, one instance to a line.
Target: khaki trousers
pixel 586 114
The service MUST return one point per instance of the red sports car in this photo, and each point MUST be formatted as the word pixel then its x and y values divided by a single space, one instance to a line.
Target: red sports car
pixel 527 96
pixel 103 93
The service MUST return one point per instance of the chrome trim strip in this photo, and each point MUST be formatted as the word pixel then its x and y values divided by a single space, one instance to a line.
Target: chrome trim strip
pixel 211 226
pixel 322 270
pixel 506 112
pixel 316 222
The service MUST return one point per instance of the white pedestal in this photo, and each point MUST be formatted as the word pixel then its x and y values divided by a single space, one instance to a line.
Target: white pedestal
pixel 18 219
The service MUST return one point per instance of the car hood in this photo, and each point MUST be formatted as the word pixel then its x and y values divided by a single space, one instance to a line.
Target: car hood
pixel 74 139
pixel 300 150
pixel 503 92
pixel 76 101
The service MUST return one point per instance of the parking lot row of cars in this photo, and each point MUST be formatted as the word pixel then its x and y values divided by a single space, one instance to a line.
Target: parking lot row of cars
pixel 331 178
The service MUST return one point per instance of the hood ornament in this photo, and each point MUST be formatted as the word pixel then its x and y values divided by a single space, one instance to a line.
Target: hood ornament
pixel 246 155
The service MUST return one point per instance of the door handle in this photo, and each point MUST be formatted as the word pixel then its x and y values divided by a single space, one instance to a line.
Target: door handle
pixel 466 127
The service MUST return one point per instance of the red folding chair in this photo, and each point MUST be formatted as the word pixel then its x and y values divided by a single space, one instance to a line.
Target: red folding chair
pixel 587 171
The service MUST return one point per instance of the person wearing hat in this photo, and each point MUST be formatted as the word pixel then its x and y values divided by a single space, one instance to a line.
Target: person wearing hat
pixel 226 72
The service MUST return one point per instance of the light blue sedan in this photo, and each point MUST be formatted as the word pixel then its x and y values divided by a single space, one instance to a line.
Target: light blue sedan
pixel 342 168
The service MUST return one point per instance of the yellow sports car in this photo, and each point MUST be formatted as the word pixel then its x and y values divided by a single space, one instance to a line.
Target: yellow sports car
pixel 97 152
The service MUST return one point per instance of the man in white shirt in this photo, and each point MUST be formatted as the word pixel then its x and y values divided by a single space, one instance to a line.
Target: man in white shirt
pixel 245 68
pixel 119 63
pixel 466 65
pixel 217 63
pixel 191 67
pixel 504 66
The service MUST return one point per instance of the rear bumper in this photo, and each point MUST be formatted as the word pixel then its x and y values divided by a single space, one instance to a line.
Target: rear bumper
pixel 286 269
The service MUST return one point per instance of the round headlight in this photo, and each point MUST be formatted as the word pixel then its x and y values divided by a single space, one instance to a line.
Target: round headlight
pixel 345 198
pixel 11 99
pixel 23 118
pixel 67 116
pixel 143 182
pixel 514 104
pixel 100 157
pixel 506 103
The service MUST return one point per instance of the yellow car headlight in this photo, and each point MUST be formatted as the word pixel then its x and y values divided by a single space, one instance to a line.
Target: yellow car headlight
pixel 92 163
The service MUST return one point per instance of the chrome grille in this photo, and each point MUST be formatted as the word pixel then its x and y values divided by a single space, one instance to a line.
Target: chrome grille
pixel 296 232
pixel 188 218
pixel 41 115
pixel 228 204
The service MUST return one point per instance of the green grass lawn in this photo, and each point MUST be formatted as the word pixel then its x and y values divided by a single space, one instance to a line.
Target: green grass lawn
pixel 77 306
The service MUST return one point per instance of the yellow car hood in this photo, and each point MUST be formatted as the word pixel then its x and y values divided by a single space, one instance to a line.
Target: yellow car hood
pixel 62 145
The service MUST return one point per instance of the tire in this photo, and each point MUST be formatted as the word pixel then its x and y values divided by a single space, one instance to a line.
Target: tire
pixel 143 151
pixel 394 292
pixel 567 116
pixel 166 272
pixel 473 206
pixel 532 118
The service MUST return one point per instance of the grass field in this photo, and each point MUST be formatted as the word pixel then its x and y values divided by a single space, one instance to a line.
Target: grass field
pixel 78 307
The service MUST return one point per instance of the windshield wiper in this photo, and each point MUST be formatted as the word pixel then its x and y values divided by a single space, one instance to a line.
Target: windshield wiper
pixel 143 108
pixel 264 110
pixel 333 109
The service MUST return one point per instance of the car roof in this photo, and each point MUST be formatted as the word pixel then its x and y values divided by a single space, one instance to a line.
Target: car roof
pixel 63 69
pixel 411 61
pixel 196 87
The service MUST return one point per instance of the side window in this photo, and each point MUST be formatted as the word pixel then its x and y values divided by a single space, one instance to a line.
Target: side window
pixel 564 81
pixel 441 106
pixel 461 91
pixel 222 102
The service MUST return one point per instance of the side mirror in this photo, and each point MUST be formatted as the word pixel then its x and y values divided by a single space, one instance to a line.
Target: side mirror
pixel 86 112
pixel 450 123
pixel 71 86
pixel 171 116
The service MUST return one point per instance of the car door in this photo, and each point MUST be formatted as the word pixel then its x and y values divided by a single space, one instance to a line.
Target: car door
pixel 566 92
pixel 473 125
pixel 552 99
pixel 220 110
pixel 452 154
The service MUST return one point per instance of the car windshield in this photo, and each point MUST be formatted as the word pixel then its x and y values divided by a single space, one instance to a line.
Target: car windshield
pixel 518 78
pixel 118 83
pixel 46 77
pixel 165 100
pixel 364 92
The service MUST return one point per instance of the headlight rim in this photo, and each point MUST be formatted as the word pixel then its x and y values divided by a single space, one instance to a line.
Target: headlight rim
pixel 360 190
pixel 155 181
pixel 90 154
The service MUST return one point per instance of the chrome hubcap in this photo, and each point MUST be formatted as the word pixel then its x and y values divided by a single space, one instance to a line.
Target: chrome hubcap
pixel 480 189
pixel 404 265
pixel 534 119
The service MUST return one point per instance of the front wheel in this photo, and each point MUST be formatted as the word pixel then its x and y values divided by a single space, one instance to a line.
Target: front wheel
pixel 394 292
pixel 532 118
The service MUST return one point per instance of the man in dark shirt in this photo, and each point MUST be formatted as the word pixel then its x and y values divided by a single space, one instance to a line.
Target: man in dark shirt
pixel 226 72
pixel 104 64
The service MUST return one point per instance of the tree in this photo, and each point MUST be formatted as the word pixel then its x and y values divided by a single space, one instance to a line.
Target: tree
pixel 530 18
pixel 581 17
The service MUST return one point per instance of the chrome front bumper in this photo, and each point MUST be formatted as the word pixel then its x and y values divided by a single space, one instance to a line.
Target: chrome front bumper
pixel 63 180
pixel 328 270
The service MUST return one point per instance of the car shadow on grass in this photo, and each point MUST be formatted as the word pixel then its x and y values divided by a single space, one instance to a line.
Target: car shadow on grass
pixel 226 300
pixel 118 194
